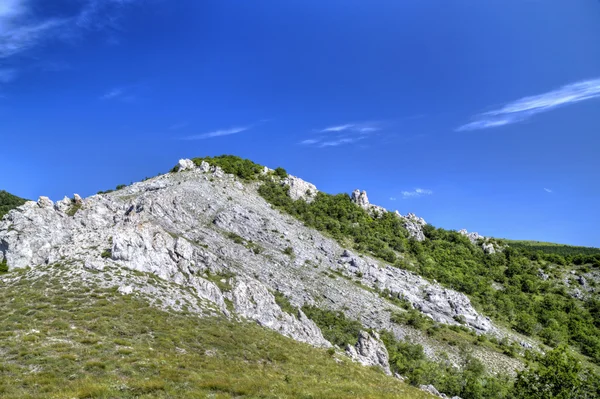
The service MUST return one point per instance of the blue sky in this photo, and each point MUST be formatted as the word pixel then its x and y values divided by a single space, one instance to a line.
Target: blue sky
pixel 472 114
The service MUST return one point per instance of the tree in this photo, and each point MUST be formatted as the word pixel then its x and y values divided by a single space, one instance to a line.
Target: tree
pixel 557 376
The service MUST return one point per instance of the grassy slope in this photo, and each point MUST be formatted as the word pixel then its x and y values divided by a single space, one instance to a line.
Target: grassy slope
pixel 90 343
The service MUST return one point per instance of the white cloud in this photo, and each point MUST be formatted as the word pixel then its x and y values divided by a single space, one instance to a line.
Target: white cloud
pixel 526 107
pixel 547 190
pixel 22 28
pixel 392 198
pixel 340 141
pixel 309 141
pixel 416 193
pixel 339 128
pixel 218 133
pixel 347 133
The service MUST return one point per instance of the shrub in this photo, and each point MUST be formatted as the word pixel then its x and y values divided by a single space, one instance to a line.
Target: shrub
pixel 336 328
pixel 3 266
pixel 280 172
pixel 242 168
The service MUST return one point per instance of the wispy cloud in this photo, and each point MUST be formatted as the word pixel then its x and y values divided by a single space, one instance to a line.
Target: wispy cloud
pixel 547 190
pixel 343 134
pixel 340 141
pixel 218 133
pixel 310 141
pixel 339 128
pixel 526 107
pixel 23 27
pixel 416 193
pixel 392 198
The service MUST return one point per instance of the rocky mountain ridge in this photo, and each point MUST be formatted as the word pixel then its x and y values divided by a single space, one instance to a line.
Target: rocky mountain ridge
pixel 210 234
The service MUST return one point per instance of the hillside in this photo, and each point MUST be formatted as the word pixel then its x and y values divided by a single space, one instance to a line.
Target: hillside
pixel 218 242
pixel 87 341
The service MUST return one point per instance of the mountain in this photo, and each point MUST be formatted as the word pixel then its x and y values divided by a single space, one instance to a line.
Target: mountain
pixel 228 278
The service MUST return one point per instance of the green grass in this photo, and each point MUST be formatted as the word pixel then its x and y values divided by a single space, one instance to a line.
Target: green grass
pixel 92 343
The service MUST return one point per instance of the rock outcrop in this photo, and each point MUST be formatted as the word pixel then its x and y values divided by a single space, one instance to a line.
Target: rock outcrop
pixel 474 237
pixel 414 225
pixel 186 164
pixel 439 303
pixel 253 301
pixel 370 351
pixel 300 189
pixel 361 199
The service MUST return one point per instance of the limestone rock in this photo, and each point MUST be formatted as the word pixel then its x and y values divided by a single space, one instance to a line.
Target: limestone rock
pixel 370 351
pixel 186 164
pixel 204 166
pixel 300 189
pixel 64 204
pixel 414 225
pixel 77 199
pixel 45 202
pixel 488 248
pixel 360 198
pixel 252 300
pixel 473 237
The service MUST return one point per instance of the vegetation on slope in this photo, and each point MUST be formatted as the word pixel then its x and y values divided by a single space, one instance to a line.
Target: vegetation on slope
pixel 506 286
pixel 556 375
pixel 8 202
pixel 94 343
pixel 568 253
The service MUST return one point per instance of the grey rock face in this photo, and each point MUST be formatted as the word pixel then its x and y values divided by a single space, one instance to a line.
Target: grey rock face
pixel 488 248
pixel 300 189
pixel 360 198
pixel 441 304
pixel 186 164
pixel 473 237
pixel 414 225
pixel 370 351
pixel 45 202
pixel 252 300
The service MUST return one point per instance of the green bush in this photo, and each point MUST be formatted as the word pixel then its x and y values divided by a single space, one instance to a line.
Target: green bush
pixel 336 328
pixel 3 266
pixel 242 168
pixel 280 172
pixel 558 374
